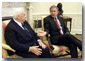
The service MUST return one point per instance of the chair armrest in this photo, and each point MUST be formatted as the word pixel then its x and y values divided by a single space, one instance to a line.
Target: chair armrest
pixel 48 47
pixel 7 47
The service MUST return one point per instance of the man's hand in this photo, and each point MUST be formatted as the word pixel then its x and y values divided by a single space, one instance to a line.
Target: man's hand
pixel 41 33
pixel 36 50
pixel 42 45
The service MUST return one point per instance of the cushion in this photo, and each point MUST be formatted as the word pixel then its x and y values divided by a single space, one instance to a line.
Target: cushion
pixel 5 46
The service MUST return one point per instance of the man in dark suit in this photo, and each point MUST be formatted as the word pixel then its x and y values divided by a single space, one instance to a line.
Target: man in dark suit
pixel 59 33
pixel 20 36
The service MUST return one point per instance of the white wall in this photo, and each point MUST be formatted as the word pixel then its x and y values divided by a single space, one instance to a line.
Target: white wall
pixel 68 7
pixel 7 8
pixel 71 9
pixel 43 7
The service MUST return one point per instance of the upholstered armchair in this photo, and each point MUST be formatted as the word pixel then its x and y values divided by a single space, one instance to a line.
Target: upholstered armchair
pixel 6 47
pixel 56 50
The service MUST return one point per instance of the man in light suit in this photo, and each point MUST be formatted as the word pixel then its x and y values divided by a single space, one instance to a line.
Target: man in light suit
pixel 59 33
pixel 20 36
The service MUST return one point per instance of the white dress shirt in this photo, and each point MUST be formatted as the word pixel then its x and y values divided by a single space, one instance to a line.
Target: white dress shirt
pixel 22 27
pixel 19 23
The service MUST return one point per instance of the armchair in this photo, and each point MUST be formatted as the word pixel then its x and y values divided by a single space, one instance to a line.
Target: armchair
pixel 6 47
pixel 55 50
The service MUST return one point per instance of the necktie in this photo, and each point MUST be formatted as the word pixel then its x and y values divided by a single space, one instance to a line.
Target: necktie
pixel 26 30
pixel 58 25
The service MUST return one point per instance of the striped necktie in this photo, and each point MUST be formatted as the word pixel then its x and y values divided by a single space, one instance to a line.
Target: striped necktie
pixel 58 25
pixel 26 30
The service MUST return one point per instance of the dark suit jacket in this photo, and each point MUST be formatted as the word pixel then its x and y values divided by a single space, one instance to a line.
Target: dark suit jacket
pixel 52 29
pixel 16 37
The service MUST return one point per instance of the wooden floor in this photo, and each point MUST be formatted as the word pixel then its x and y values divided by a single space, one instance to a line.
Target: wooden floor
pixel 79 37
pixel 69 56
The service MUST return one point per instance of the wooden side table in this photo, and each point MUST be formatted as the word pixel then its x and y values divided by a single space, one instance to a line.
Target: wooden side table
pixel 68 20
